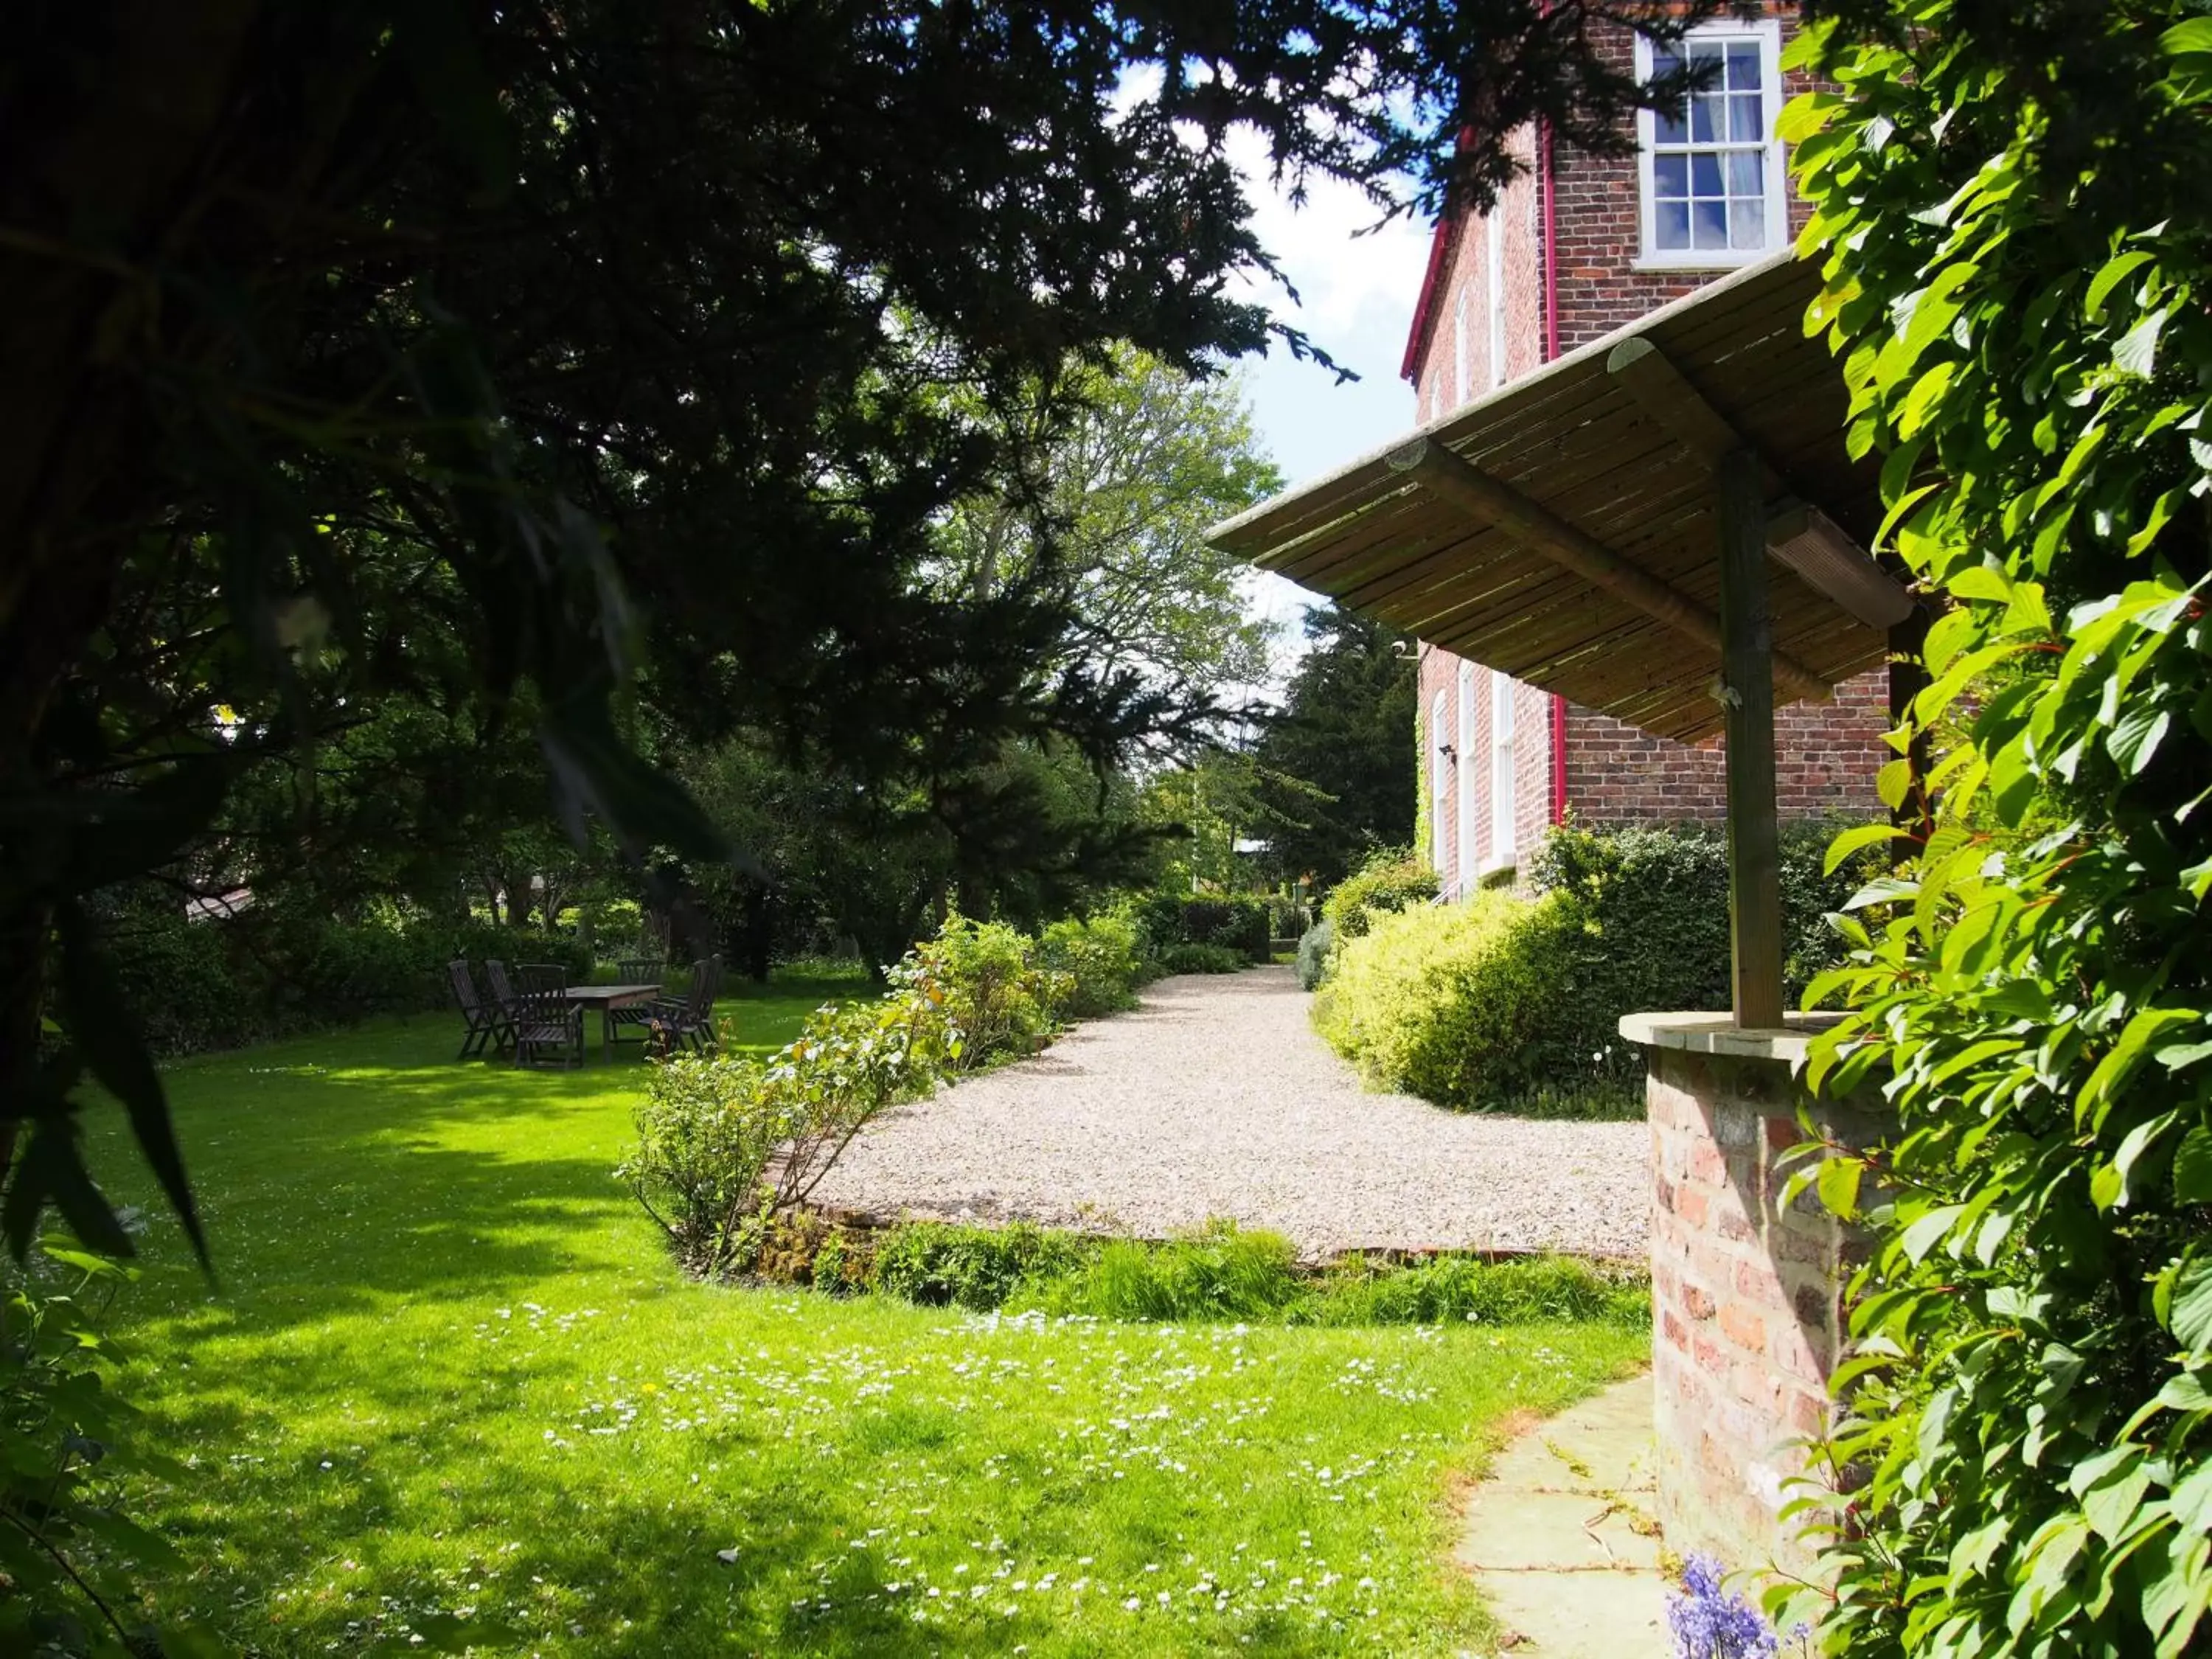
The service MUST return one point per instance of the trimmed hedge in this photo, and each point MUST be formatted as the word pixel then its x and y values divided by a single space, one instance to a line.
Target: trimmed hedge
pixel 1235 923
pixel 200 986
pixel 1202 959
pixel 1391 880
pixel 1511 1003
pixel 1460 1003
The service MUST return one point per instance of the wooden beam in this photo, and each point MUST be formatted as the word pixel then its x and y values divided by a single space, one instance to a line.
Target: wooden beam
pixel 1476 493
pixel 1828 561
pixel 1755 851
pixel 1642 370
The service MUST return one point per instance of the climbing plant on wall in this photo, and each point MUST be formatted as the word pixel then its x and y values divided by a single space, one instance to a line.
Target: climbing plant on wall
pixel 2010 203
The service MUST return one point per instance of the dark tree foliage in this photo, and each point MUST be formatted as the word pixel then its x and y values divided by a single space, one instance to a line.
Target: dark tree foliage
pixel 1335 766
pixel 542 350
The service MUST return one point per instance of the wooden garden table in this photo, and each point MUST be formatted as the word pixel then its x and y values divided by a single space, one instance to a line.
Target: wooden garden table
pixel 607 999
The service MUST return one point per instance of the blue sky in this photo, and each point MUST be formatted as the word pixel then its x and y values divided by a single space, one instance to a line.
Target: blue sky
pixel 1356 299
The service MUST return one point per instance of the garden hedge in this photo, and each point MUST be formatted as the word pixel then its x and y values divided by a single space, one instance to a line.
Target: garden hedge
pixel 230 981
pixel 1234 922
pixel 1507 1002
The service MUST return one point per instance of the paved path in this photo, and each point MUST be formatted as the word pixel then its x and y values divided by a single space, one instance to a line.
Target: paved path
pixel 1215 1098
pixel 1560 1536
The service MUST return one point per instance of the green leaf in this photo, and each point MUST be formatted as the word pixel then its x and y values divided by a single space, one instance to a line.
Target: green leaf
pixel 1838 1185
pixel 2111 1486
pixel 2190 1316
pixel 98 1016
pixel 2106 1186
pixel 1930 1231
pixel 2192 1167
pixel 2195 36
pixel 2115 272
pixel 1980 582
pixel 2137 352
pixel 1854 840
pixel 2142 1029
pixel 2136 739
pixel 1894 783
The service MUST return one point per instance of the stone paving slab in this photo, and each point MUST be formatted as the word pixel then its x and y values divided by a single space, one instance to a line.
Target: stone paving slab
pixel 1559 1535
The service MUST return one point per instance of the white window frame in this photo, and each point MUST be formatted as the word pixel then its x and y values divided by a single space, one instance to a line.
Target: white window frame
pixel 1650 256
pixel 1494 235
pixel 1439 773
pixel 1470 818
pixel 1503 793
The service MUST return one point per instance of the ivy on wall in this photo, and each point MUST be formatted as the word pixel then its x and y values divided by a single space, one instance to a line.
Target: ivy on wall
pixel 2011 203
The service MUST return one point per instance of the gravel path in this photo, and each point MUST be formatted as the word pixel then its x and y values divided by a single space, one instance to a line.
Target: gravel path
pixel 1215 1098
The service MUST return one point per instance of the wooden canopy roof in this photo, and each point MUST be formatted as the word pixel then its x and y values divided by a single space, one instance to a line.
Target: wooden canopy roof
pixel 1562 528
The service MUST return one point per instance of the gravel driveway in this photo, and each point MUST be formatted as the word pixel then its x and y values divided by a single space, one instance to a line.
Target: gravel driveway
pixel 1215 1098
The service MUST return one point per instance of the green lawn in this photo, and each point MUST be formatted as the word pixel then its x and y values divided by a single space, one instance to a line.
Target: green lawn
pixel 449 1367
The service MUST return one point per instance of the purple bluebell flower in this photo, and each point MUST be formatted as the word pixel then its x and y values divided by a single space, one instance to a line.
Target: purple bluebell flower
pixel 1711 1622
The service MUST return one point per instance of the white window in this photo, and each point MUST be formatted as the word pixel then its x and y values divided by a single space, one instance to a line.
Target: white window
pixel 1440 780
pixel 1495 236
pixel 1501 770
pixel 1464 345
pixel 1469 768
pixel 1714 189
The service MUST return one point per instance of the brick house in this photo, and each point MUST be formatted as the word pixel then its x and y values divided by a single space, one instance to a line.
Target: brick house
pixel 1576 247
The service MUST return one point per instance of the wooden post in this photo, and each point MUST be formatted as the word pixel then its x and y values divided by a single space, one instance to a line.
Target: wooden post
pixel 1747 676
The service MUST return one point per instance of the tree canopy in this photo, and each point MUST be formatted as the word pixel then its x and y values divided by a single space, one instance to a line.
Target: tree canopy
pixel 603 345
pixel 1336 763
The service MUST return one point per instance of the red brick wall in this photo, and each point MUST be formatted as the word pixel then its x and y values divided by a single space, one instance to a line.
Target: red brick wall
pixel 1825 758
pixel 1600 231
pixel 1463 295
pixel 1747 1302
pixel 1827 754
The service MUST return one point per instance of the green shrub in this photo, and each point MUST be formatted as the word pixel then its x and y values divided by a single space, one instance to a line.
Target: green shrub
pixel 1202 959
pixel 1235 923
pixel 1459 1002
pixel 999 1001
pixel 1222 1272
pixel 182 985
pixel 1655 906
pixel 938 1264
pixel 228 981
pixel 711 1124
pixel 1390 880
pixel 1101 961
pixel 1316 947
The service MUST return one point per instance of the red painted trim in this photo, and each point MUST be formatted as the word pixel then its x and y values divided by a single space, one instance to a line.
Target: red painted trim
pixel 1441 246
pixel 1551 209
pixel 1417 341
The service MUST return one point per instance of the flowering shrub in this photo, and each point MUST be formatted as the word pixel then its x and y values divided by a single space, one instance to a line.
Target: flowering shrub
pixel 1710 1621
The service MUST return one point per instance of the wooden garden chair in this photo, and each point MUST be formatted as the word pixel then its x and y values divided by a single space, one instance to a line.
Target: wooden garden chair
pixel 484 1023
pixel 689 1022
pixel 549 1028
pixel 639 1017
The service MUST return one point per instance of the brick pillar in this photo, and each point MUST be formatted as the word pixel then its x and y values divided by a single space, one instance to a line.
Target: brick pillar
pixel 1746 1295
